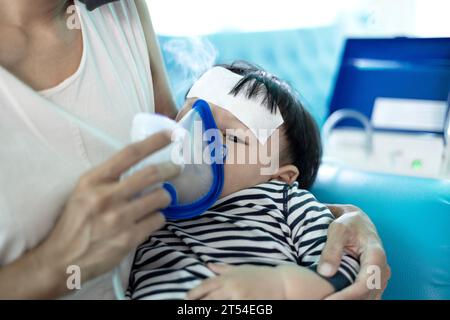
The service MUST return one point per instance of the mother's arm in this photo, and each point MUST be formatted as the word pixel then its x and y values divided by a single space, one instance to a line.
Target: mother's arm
pixel 101 218
pixel 164 103
pixel 31 277
pixel 354 232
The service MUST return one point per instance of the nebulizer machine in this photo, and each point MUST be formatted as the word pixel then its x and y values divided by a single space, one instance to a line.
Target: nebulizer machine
pixel 397 90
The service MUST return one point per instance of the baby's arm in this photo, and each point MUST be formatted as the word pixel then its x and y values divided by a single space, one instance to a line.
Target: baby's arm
pixel 256 282
pixel 302 283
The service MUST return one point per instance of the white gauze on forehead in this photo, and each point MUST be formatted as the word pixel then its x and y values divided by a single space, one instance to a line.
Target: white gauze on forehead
pixel 215 86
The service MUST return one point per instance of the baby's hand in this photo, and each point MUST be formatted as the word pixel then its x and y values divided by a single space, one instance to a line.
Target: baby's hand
pixel 240 283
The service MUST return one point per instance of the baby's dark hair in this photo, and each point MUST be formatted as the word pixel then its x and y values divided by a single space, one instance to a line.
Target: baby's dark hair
pixel 303 137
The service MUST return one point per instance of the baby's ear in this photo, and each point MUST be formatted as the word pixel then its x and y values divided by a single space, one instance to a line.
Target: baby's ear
pixel 288 173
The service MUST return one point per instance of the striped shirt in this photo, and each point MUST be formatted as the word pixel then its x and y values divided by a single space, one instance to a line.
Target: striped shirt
pixel 267 225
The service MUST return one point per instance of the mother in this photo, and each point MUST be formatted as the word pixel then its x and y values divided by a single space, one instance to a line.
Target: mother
pixel 61 202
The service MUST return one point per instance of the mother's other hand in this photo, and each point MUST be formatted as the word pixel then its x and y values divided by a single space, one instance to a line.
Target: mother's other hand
pixel 354 232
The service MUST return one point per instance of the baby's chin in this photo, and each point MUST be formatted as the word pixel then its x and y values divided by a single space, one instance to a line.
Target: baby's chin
pixel 234 185
pixel 227 190
pixel 225 193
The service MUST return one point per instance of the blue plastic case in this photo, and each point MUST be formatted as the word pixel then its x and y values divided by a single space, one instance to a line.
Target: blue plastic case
pixel 407 68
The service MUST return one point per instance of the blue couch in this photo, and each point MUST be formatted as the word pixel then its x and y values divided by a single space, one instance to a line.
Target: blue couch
pixel 412 215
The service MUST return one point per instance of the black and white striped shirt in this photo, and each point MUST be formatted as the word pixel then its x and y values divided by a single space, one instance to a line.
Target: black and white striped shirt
pixel 268 225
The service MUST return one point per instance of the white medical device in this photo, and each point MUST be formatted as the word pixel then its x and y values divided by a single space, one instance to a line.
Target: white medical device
pixel 397 89
pixel 395 140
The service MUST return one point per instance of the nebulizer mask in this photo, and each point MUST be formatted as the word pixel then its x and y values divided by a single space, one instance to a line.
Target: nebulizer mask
pixel 197 148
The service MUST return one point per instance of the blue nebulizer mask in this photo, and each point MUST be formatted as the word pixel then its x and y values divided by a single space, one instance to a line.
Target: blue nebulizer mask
pixel 197 147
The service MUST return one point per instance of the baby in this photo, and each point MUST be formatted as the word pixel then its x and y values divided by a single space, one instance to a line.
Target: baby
pixel 263 238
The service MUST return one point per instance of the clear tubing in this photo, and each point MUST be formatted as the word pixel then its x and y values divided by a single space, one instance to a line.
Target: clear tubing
pixel 341 114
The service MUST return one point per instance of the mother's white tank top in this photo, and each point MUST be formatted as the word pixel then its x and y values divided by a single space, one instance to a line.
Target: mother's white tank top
pixel 43 152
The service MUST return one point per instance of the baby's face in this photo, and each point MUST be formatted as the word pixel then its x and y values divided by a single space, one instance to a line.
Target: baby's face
pixel 246 156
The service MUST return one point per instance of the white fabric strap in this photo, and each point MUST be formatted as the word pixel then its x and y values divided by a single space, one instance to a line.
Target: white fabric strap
pixel 215 85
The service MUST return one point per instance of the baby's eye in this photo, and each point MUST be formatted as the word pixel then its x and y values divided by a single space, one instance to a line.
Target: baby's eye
pixel 234 139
